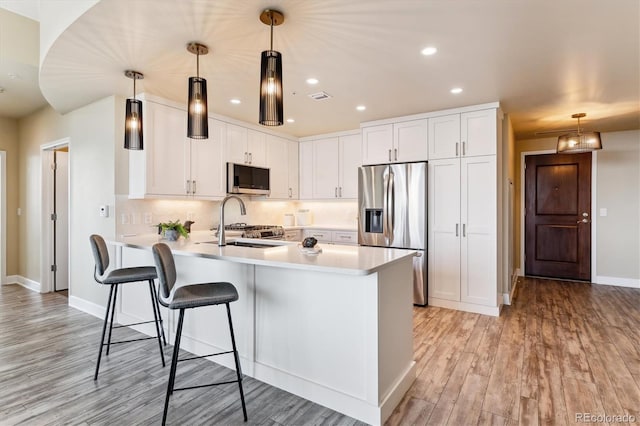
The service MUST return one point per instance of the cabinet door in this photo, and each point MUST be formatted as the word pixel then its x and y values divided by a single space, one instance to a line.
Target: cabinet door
pixel 444 137
pixel 478 216
pixel 208 169
pixel 277 162
pixel 350 158
pixel 305 168
pixel 257 148
pixel 410 141
pixel 326 154
pixel 167 150
pixel 236 151
pixel 478 133
pixel 377 144
pixel 444 229
pixel 292 158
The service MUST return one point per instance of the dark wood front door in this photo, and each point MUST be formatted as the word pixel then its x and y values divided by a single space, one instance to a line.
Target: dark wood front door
pixel 558 216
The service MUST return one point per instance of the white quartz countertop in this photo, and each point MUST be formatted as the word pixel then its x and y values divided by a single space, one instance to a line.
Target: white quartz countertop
pixel 334 258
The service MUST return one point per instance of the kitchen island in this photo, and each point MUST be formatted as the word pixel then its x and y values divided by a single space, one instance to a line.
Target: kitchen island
pixel 334 328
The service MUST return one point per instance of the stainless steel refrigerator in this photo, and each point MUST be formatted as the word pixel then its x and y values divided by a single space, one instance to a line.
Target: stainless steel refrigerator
pixel 392 202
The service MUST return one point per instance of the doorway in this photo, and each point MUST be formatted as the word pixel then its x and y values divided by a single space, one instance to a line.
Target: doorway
pixel 55 217
pixel 557 212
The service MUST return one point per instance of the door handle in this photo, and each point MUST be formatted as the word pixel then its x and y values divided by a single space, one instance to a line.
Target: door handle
pixel 392 202
pixel 585 220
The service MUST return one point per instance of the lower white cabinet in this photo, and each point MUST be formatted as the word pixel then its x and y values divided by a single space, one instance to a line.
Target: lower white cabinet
pixel 332 236
pixel 293 235
pixel 463 216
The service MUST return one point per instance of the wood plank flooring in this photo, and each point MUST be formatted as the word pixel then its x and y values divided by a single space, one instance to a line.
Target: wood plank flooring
pixel 562 348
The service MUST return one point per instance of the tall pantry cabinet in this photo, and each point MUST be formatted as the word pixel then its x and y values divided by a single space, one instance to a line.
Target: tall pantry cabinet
pixel 463 212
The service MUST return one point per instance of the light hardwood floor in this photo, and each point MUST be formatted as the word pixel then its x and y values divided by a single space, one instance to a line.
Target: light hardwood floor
pixel 562 348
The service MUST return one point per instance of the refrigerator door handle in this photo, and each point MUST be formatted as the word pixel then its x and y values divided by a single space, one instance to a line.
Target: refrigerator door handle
pixel 385 208
pixel 391 203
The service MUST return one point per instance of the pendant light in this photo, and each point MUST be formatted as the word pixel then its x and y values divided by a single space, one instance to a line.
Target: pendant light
pixel 576 142
pixel 133 116
pixel 271 76
pixel 197 116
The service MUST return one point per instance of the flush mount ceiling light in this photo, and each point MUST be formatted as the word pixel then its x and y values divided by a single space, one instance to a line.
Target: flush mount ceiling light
pixel 456 90
pixel 576 142
pixel 197 116
pixel 428 51
pixel 361 107
pixel 235 101
pixel 271 76
pixel 312 81
pixel 133 116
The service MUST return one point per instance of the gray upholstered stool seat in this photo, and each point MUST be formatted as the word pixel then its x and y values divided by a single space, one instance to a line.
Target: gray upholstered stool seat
pixel 188 297
pixel 114 279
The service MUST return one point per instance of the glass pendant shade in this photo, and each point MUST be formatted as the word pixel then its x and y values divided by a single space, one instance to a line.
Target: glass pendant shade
pixel 133 125
pixel 271 89
pixel 197 117
pixel 579 142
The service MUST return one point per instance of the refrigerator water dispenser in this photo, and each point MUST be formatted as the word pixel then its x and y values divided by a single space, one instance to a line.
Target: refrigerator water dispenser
pixel 373 221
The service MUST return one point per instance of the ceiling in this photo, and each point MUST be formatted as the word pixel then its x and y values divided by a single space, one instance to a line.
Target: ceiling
pixel 543 60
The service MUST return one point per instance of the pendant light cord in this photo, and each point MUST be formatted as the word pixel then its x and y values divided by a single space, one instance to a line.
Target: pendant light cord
pixel 198 63
pixel 271 16
pixel 134 87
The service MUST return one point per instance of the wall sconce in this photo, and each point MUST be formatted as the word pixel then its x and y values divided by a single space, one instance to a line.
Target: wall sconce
pixel 271 76
pixel 579 142
pixel 197 116
pixel 133 116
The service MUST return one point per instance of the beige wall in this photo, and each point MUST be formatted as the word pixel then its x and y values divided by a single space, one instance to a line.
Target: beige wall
pixel 9 144
pixel 617 189
pixel 42 127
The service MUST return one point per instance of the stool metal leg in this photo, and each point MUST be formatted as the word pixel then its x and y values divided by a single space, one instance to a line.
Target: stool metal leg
pixel 237 360
pixel 156 322
pixel 104 329
pixel 157 308
pixel 113 308
pixel 174 365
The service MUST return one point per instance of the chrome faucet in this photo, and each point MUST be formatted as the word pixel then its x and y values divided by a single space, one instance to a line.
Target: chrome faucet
pixel 243 211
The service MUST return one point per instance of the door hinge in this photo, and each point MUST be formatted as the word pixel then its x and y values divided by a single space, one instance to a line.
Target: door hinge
pixel 54 216
pixel 53 166
pixel 525 211
pixel 54 268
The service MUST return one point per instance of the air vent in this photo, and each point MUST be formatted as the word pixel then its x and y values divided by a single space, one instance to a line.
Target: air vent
pixel 319 96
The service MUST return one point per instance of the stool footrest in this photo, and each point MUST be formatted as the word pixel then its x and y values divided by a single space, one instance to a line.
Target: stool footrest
pixel 206 386
pixel 135 323
pixel 204 356
pixel 132 340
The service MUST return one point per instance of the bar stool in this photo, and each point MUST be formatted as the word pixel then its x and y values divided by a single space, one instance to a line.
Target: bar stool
pixel 115 278
pixel 188 297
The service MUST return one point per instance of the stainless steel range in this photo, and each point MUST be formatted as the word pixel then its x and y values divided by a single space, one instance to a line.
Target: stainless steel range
pixel 271 232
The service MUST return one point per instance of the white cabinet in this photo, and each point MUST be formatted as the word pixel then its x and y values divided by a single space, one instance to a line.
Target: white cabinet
pixel 329 167
pixel 463 135
pixel 245 146
pixel 282 160
pixel 463 231
pixel 395 143
pixel 171 165
pixel 330 236
pixel 293 235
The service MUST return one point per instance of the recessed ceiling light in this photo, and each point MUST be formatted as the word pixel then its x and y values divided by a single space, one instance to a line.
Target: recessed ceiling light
pixel 235 101
pixel 427 51
pixel 290 120
pixel 456 90
pixel 361 107
pixel 312 81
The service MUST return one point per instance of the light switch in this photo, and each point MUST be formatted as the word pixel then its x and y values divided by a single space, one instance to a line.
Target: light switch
pixel 603 211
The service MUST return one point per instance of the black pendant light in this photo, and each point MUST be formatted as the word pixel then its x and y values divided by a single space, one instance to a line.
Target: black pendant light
pixel 197 116
pixel 133 116
pixel 271 76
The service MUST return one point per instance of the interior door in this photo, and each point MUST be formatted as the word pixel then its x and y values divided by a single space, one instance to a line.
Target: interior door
pixel 558 216
pixel 61 224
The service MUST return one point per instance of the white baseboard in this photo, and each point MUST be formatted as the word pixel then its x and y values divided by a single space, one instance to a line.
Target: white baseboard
pixel 620 282
pixel 10 279
pixel 86 306
pixel 25 282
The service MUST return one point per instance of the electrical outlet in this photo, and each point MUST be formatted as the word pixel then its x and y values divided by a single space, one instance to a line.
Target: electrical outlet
pixel 148 218
pixel 135 219
pixel 125 219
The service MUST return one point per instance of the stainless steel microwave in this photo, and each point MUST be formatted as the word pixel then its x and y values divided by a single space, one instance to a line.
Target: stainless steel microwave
pixel 244 179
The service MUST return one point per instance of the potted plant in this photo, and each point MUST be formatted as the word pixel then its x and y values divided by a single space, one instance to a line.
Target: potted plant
pixel 171 231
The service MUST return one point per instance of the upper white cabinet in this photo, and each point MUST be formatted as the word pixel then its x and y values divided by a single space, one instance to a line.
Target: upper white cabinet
pixel 246 146
pixel 282 160
pixel 335 167
pixel 395 143
pixel 171 165
pixel 463 135
pixel 305 168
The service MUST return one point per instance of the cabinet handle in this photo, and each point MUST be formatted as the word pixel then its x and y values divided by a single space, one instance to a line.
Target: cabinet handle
pixel 464 148
pixel 457 229
pixel 464 229
pixel 246 157
pixel 456 149
pixel 389 155
pixel 250 158
pixel 290 193
pixel 194 187
pixel 188 186
pixel 340 191
pixel 395 153
pixel 335 192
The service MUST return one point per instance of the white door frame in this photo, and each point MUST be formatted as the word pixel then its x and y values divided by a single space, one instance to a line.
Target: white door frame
pixel 3 217
pixel 46 227
pixel 594 175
